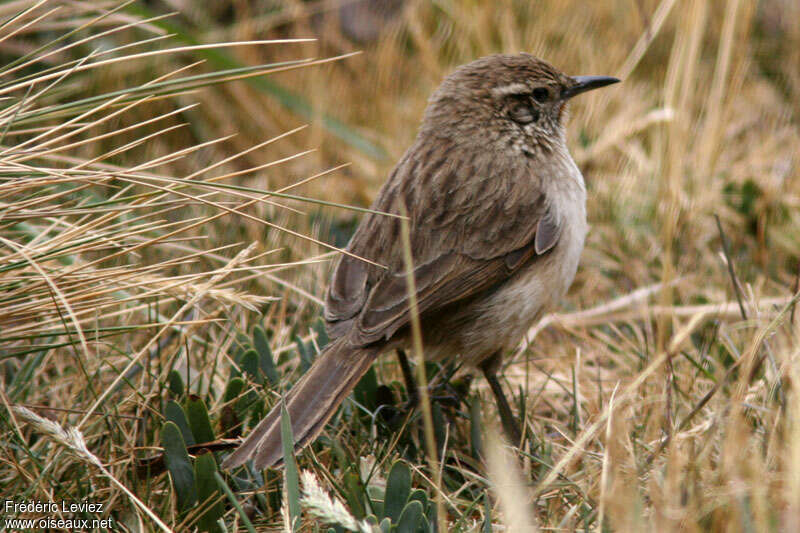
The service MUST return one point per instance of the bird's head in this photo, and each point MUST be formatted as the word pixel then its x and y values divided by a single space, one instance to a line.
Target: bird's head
pixel 506 101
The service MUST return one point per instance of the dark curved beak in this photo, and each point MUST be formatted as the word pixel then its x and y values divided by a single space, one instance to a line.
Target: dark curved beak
pixel 587 83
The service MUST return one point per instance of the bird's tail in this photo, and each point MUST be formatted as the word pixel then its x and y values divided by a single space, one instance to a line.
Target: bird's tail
pixel 311 403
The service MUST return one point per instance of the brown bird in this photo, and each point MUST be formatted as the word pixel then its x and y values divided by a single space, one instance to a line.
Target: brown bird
pixel 497 218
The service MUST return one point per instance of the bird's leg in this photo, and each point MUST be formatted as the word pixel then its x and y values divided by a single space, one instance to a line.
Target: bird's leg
pixel 510 425
pixel 401 412
pixel 411 383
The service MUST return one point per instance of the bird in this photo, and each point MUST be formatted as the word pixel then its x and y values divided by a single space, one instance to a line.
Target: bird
pixel 495 211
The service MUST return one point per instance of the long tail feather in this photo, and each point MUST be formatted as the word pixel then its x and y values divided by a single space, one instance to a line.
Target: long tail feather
pixel 311 403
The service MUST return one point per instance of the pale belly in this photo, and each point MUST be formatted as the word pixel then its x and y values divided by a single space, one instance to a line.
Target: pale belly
pixel 499 319
pixel 510 312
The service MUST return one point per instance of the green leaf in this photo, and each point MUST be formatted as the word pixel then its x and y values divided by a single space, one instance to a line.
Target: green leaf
pixel 386 525
pixel 197 414
pixel 354 494
pixel 249 364
pixel 398 487
pixel 410 519
pixel 233 390
pixel 306 358
pixel 174 413
pixel 376 495
pixel 322 334
pixel 367 389
pixel 255 404
pixel 239 345
pixel 420 496
pixel 266 361
pixel 439 426
pixel 291 476
pixel 179 466
pixel 432 514
pixel 230 416
pixel 425 526
pixel 208 493
pixel 175 382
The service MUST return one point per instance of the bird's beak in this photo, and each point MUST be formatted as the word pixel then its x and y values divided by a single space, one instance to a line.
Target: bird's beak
pixel 587 83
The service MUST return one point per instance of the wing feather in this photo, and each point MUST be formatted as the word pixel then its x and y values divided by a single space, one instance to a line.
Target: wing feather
pixel 472 226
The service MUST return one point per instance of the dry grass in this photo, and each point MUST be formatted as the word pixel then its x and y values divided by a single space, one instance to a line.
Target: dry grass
pixel 659 397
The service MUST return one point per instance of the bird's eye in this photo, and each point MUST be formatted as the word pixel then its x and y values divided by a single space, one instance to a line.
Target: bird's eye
pixel 521 111
pixel 541 94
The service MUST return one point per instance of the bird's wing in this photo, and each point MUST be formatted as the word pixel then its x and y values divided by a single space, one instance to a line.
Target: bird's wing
pixel 473 222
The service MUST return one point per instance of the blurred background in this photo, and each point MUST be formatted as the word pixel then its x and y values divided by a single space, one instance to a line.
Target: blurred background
pixel 169 181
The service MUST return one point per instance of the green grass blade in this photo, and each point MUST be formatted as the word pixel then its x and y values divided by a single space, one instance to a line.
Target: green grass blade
pixel 291 475
pixel 232 498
